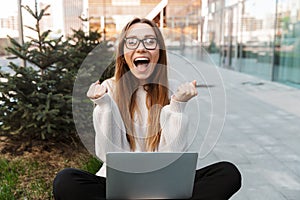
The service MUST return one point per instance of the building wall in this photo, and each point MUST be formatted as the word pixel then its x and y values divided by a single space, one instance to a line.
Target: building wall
pixel 72 10
pixel 247 37
pixel 117 13
pixel 64 15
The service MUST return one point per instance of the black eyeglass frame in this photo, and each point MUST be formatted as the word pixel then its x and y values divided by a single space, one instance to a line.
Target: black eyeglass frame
pixel 139 41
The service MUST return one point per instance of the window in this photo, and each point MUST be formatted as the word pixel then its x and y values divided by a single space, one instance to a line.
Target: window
pixel 125 2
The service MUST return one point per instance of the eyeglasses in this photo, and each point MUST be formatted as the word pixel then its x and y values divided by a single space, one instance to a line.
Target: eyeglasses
pixel 133 43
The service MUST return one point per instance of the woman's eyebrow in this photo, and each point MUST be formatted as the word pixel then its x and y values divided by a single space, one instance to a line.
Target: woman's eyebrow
pixel 149 36
pixel 145 36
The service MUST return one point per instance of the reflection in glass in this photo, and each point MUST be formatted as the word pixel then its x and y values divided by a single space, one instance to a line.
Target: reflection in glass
pixel 261 38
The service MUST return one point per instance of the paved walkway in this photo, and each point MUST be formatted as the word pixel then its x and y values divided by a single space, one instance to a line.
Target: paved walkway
pixel 261 133
pixel 253 123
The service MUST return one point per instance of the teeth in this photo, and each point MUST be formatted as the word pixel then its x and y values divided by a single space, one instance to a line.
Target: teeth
pixel 141 59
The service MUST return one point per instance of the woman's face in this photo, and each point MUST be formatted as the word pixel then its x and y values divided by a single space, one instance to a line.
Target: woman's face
pixel 141 58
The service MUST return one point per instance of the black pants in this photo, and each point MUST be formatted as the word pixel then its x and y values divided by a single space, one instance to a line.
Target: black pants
pixel 218 181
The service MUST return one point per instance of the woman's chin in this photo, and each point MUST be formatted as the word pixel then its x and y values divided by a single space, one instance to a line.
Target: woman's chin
pixel 143 73
pixel 142 77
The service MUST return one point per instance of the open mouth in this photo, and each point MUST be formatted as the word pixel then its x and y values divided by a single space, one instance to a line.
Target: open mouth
pixel 141 63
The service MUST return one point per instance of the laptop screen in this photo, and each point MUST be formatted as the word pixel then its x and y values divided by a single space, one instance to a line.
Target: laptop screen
pixel 150 175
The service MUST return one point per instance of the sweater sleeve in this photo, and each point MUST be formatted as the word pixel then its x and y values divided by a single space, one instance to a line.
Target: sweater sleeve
pixel 109 127
pixel 174 124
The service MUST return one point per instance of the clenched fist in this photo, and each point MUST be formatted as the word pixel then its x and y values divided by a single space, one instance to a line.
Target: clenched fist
pixel 186 91
pixel 96 90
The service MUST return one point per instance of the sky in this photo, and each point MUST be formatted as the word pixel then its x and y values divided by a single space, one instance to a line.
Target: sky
pixel 10 8
pixel 7 8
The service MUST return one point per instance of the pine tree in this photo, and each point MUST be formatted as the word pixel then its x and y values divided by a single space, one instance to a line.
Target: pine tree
pixel 36 101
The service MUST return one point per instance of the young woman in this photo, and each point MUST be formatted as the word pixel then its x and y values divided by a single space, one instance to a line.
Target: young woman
pixel 136 111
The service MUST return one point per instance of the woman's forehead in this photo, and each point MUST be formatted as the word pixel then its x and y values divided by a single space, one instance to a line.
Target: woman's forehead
pixel 140 30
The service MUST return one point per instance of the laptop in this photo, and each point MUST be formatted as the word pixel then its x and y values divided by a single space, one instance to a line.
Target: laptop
pixel 150 175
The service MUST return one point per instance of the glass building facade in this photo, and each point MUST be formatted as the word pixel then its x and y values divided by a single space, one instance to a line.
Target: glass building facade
pixel 261 38
pixel 109 16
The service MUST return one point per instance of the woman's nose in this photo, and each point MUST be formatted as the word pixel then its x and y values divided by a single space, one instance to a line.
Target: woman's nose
pixel 141 47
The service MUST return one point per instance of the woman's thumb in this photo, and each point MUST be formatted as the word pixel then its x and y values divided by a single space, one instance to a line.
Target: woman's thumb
pixel 194 82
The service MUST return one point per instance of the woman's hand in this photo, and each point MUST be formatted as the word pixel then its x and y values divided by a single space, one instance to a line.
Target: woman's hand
pixel 186 91
pixel 96 90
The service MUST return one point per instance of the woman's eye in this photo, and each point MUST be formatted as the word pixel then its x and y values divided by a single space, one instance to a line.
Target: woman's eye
pixel 150 41
pixel 131 41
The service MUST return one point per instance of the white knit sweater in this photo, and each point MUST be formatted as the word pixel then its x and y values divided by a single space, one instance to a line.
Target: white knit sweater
pixel 110 129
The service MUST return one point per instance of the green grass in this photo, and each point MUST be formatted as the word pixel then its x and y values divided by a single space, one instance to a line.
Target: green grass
pixel 25 179
pixel 92 165
pixel 14 174
pixel 9 173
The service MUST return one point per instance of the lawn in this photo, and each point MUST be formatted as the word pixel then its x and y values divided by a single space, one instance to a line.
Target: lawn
pixel 27 171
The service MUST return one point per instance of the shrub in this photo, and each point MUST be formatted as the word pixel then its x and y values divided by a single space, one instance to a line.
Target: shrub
pixel 36 100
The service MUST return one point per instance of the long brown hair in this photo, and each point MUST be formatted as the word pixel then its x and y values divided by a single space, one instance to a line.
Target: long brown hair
pixel 156 87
